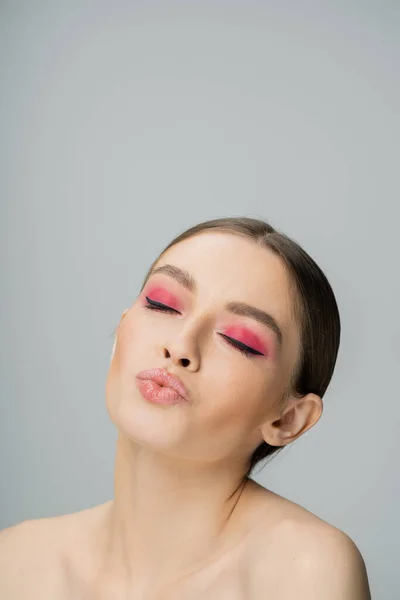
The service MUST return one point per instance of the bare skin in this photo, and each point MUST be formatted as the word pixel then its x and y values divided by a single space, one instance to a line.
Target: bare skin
pixel 279 550
pixel 183 522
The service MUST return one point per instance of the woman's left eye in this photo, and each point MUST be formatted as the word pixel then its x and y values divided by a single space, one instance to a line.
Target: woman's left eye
pixel 153 305
pixel 240 346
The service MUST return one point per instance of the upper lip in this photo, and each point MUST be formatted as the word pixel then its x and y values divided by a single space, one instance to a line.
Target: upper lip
pixel 162 377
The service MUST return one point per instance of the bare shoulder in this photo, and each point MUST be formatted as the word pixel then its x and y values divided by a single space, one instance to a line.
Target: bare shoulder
pixel 326 562
pixel 24 540
pixel 311 559
pixel 26 556
pixel 35 555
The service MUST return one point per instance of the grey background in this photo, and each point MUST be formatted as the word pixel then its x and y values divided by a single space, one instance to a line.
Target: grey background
pixel 124 123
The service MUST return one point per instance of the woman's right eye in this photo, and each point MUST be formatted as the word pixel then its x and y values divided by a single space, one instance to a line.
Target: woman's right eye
pixel 153 305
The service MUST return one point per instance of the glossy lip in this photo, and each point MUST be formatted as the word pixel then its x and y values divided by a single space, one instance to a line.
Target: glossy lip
pixel 162 377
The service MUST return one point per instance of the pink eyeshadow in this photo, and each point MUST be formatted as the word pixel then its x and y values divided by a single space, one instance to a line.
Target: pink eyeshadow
pixel 160 294
pixel 246 337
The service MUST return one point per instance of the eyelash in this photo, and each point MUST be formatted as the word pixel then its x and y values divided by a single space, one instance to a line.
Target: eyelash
pixel 152 305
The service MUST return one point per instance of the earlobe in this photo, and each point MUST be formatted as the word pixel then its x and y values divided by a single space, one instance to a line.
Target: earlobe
pixel 297 417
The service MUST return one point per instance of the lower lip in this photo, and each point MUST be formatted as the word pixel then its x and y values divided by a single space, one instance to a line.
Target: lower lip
pixel 153 392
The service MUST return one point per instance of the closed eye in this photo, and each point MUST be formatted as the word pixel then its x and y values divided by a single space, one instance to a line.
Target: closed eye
pixel 240 346
pixel 153 305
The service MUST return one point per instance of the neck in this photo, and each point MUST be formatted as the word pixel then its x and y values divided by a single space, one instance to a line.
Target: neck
pixel 168 517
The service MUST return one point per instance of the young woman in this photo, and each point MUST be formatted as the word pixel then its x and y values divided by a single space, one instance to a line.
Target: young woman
pixel 222 359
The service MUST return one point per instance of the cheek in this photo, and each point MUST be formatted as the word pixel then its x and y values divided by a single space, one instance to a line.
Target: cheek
pixel 241 395
pixel 234 391
pixel 132 336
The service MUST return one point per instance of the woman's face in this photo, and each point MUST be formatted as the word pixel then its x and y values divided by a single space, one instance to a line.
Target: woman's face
pixel 231 393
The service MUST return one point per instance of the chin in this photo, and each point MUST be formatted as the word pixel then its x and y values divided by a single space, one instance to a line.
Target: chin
pixel 145 423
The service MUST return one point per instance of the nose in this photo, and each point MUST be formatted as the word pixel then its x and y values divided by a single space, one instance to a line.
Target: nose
pixel 181 361
pixel 187 359
pixel 183 351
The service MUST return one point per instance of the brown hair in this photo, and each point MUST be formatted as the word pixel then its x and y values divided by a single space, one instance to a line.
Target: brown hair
pixel 314 305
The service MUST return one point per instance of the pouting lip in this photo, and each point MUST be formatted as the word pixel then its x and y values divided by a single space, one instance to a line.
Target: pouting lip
pixel 162 377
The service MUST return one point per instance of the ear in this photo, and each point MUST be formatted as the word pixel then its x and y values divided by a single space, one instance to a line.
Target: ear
pixel 120 321
pixel 123 315
pixel 296 417
pixel 116 332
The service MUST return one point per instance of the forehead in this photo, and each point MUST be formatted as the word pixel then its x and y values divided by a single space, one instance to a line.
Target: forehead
pixel 228 267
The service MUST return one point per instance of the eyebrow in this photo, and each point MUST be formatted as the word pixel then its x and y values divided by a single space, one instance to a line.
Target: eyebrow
pixel 238 308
